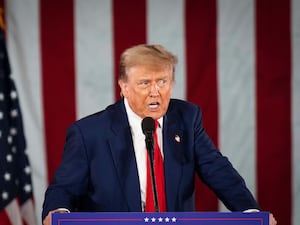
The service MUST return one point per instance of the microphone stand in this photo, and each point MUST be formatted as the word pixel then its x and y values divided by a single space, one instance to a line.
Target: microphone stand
pixel 149 144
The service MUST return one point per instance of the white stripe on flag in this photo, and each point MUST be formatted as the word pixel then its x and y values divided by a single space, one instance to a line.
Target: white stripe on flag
pixel 168 30
pixel 94 56
pixel 236 86
pixel 13 212
pixel 22 18
pixel 295 109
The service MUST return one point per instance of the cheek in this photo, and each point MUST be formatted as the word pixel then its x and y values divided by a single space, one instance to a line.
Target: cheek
pixel 167 94
pixel 137 98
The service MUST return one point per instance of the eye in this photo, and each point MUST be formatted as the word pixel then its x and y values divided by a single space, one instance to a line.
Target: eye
pixel 143 83
pixel 162 82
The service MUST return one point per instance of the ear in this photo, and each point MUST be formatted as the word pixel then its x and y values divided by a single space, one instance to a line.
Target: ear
pixel 124 87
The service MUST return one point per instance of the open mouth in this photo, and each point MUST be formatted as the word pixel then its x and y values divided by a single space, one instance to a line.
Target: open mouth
pixel 154 105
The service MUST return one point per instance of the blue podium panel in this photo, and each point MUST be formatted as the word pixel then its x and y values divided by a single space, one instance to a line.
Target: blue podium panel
pixel 168 218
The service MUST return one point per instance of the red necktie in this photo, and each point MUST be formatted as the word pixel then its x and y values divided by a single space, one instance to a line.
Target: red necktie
pixel 159 177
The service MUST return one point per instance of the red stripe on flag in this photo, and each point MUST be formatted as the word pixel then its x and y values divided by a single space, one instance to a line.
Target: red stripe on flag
pixel 58 75
pixel 4 218
pixel 129 29
pixel 202 77
pixel 274 107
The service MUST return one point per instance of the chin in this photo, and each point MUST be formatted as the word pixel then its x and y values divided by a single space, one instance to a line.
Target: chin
pixel 155 115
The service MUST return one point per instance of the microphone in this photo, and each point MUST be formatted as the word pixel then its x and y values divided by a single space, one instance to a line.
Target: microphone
pixel 148 127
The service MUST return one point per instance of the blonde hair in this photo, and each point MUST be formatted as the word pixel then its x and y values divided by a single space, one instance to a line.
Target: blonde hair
pixel 154 57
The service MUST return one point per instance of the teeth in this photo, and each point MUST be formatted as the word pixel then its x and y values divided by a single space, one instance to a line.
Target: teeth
pixel 154 105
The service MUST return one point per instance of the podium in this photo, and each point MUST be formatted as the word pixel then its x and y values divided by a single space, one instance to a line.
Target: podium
pixel 167 218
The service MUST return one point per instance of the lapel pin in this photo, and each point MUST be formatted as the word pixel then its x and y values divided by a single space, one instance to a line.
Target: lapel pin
pixel 177 138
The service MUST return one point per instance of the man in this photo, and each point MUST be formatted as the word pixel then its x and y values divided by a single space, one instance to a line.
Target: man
pixel 104 165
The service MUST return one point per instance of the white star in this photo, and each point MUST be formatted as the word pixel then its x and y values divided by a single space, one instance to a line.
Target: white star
pixel 13 131
pixel 4 195
pixel 13 94
pixel 9 158
pixel 173 219
pixel 27 188
pixel 9 139
pixel 146 219
pixel 153 219
pixel 27 170
pixel 1 115
pixel 14 113
pixel 160 219
pixel 14 149
pixel 7 176
pixel 167 219
pixel 1 96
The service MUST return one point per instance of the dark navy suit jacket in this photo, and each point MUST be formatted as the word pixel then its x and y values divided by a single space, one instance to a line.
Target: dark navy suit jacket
pixel 99 171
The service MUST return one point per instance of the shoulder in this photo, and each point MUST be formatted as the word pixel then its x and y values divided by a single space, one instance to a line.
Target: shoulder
pixel 180 110
pixel 103 117
pixel 182 105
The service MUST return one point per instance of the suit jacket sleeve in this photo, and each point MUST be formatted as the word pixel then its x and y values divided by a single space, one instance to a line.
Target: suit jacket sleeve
pixel 218 173
pixel 70 178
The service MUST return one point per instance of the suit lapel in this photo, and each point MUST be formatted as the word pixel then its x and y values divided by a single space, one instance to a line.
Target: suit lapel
pixel 122 150
pixel 174 157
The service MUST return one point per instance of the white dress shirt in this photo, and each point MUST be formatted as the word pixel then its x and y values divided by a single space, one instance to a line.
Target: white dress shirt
pixel 139 145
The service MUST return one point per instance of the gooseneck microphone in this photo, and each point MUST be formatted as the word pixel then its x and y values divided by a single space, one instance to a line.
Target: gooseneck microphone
pixel 148 127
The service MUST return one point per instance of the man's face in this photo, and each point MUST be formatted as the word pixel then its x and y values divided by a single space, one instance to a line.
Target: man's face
pixel 148 91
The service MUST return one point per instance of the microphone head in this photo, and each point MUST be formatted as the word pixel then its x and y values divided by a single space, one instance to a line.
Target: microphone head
pixel 148 125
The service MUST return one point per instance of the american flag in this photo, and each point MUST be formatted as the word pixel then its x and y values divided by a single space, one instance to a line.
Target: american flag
pixel 238 60
pixel 15 172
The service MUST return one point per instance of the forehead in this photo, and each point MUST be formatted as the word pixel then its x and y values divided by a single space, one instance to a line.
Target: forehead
pixel 146 72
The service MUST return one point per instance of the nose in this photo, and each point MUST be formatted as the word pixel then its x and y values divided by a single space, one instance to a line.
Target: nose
pixel 154 91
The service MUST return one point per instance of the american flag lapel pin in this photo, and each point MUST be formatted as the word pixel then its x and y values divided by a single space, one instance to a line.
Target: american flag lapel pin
pixel 177 138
